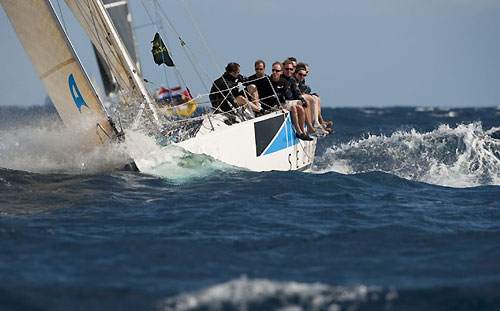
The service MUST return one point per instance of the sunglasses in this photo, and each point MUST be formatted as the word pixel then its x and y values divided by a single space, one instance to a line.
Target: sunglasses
pixel 302 75
pixel 288 68
pixel 276 70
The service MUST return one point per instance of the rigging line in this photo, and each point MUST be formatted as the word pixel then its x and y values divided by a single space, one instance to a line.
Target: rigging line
pixel 189 58
pixel 188 11
pixel 191 55
pixel 198 74
pixel 177 73
pixel 201 35
pixel 62 17
pixel 185 46
pixel 155 24
pixel 142 26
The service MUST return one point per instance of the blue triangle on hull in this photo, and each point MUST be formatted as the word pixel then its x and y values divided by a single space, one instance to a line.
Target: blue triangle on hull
pixel 284 139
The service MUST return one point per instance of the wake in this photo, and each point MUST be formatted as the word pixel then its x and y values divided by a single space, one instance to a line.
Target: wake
pixel 465 156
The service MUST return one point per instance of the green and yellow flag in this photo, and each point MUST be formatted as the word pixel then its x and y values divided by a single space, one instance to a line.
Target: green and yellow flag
pixel 160 52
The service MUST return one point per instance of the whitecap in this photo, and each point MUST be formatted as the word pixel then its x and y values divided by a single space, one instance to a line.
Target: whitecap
pixel 465 156
pixel 264 294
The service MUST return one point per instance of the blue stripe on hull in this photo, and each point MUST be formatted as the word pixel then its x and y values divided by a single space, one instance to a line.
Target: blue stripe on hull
pixel 284 139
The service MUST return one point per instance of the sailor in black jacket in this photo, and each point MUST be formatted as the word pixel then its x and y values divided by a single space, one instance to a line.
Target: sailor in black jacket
pixel 258 82
pixel 225 94
pixel 274 94
pixel 273 91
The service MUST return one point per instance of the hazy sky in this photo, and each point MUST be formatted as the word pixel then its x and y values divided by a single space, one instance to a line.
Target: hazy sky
pixel 361 52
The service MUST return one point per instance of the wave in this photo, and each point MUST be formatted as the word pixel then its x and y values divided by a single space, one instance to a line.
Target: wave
pixel 263 294
pixel 465 156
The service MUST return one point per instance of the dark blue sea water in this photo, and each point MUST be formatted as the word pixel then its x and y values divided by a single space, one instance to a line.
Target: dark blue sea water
pixel 401 212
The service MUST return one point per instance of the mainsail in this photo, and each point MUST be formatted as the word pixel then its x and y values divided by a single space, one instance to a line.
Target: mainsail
pixel 96 22
pixel 58 67
pixel 119 12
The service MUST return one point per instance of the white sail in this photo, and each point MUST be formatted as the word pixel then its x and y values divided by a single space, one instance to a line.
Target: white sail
pixel 58 67
pixel 96 22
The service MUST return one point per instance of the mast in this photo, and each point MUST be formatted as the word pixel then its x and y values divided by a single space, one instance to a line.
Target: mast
pixel 59 68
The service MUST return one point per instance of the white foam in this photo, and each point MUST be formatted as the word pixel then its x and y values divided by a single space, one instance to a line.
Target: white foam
pixel 170 162
pixel 263 294
pixel 465 156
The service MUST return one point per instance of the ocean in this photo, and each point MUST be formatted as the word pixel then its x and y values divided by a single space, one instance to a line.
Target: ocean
pixel 401 211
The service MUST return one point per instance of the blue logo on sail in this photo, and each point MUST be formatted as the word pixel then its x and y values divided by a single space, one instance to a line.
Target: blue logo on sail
pixel 75 92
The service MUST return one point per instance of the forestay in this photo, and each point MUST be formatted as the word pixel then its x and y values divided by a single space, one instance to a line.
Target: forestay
pixel 58 67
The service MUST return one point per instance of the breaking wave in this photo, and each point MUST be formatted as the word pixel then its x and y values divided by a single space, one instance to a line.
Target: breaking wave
pixel 261 294
pixel 465 156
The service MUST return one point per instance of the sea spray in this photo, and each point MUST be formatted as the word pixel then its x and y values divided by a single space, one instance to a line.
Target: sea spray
pixel 465 156
pixel 53 148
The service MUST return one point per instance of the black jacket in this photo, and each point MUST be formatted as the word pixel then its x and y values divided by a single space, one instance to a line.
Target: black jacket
pixel 292 91
pixel 267 93
pixel 220 89
pixel 261 83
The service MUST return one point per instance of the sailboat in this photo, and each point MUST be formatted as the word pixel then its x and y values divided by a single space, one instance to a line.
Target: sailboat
pixel 261 143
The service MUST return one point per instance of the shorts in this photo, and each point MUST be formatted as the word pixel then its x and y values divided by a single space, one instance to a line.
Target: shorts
pixel 290 103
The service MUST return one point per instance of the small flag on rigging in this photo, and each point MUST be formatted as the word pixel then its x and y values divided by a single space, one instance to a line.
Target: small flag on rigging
pixel 160 52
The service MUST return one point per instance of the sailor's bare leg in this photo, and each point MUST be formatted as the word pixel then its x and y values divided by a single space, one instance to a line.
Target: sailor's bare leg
pixel 300 117
pixel 295 119
pixel 307 110
pixel 318 101
pixel 311 101
pixel 242 101
pixel 254 95
pixel 320 116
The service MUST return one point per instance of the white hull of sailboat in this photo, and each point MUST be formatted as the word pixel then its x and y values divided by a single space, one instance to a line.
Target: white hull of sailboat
pixel 265 143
